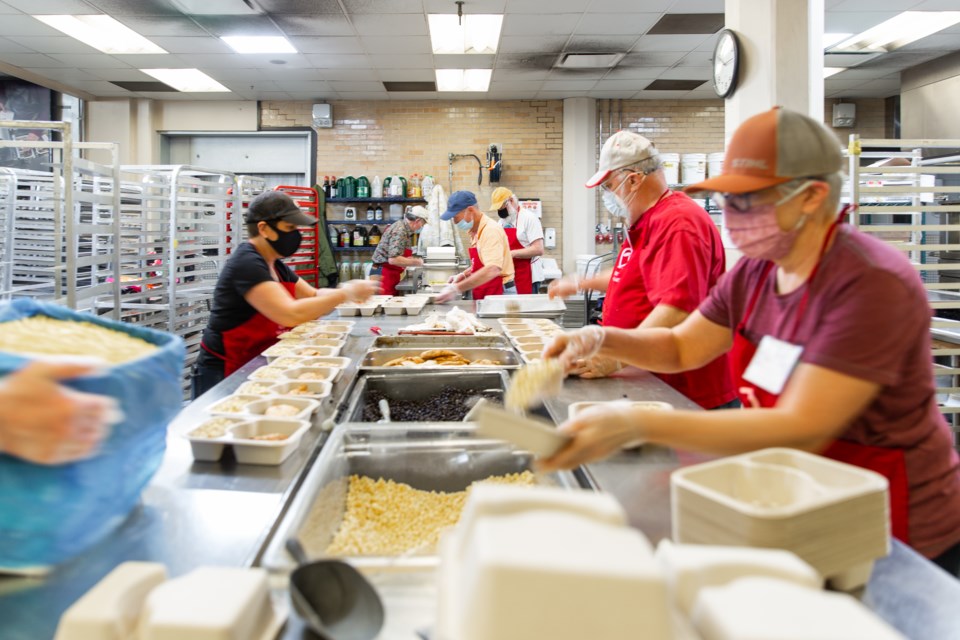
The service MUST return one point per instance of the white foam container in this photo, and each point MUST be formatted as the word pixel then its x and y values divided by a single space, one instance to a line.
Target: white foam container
pixel 693 167
pixel 715 164
pixel 578 407
pixel 240 401
pixel 530 348
pixel 301 350
pixel 250 388
pixel 671 167
pixel 267 452
pixel 267 373
pixel 306 407
pixel 345 311
pixel 329 374
pixel 316 389
pixel 211 449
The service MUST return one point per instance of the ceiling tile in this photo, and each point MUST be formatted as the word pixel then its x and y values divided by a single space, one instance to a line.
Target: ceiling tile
pixel 936 5
pixel 629 6
pixel 474 6
pixel 136 7
pixel 556 24
pixel 316 44
pixel 348 74
pixel 652 59
pixel 150 26
pixel 9 46
pixel 72 76
pixel 669 43
pixel 319 25
pixel 18 25
pixel 697 59
pixel 526 61
pixel 600 44
pixel 854 21
pixel 514 86
pixel 623 85
pixel 531 44
pixel 686 73
pixel 603 24
pixel 402 62
pixel 35 60
pixel 406 75
pixel 413 95
pixel 347 85
pixel 577 74
pixel 536 6
pixel 568 85
pixel 310 95
pixel 698 6
pixel 339 61
pixel 709 44
pixel 363 95
pixel 507 75
pixel 355 7
pixel 98 87
pixel 659 95
pixel 7 9
pixel 611 94
pixel 635 73
pixel 388 24
pixel 464 61
pixel 126 75
pixel 52 7
pixel 238 25
pixel 300 6
pixel 945 43
pixel 561 95
pixel 206 44
pixel 397 44
pixel 253 85
pixel 510 95
pixel 289 76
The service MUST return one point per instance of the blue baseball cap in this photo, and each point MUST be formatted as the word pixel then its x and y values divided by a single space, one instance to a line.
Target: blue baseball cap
pixel 458 201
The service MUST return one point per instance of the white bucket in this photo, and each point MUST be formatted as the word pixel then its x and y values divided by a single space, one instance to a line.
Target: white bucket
pixel 694 167
pixel 715 164
pixel 671 167
pixel 583 263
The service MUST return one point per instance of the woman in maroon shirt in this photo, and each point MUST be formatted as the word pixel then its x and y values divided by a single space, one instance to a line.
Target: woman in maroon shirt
pixel 828 332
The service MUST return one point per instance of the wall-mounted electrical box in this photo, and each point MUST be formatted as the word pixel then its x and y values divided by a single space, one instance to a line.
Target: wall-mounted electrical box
pixel 322 116
pixel 844 115
pixel 549 238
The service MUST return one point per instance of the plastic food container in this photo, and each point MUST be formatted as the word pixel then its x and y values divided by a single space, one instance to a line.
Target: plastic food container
pixel 268 373
pixel 255 388
pixel 328 374
pixel 336 362
pixel 305 407
pixel 529 340
pixel 250 451
pixel 233 405
pixel 210 448
pixel 578 407
pixel 533 348
pixel 312 389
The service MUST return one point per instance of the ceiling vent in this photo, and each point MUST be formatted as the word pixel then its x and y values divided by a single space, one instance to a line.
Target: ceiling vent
pixel 217 7
pixel 409 86
pixel 588 60
pixel 673 85
pixel 140 86
pixel 687 24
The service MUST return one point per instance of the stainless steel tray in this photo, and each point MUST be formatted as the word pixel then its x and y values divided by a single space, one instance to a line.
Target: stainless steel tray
pixel 521 306
pixel 441 342
pixel 376 359
pixel 427 456
pixel 421 385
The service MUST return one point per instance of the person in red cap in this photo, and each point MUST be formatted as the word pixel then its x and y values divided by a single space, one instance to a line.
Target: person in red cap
pixel 671 257
pixel 828 330
pixel 258 297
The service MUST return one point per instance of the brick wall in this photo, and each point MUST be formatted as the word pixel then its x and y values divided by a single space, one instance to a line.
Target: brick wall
pixel 384 138
pixel 674 126
pixel 872 119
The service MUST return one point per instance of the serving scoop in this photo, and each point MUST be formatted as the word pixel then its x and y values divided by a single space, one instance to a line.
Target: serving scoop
pixel 533 383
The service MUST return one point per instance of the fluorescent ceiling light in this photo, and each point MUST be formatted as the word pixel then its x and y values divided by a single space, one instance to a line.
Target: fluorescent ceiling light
pixel 830 39
pixel 259 44
pixel 463 79
pixel 479 33
pixel 102 33
pixel 188 80
pixel 900 30
pixel 832 71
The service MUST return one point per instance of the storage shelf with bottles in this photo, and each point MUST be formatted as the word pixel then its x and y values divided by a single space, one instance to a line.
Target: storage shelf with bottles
pixel 350 249
pixel 374 200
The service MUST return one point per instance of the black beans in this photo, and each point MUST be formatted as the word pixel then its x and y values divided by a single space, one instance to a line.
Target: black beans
pixel 448 405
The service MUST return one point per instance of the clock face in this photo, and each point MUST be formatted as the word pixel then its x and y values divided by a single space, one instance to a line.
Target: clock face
pixel 726 63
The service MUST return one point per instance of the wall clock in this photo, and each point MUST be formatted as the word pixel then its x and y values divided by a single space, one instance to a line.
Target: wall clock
pixel 726 64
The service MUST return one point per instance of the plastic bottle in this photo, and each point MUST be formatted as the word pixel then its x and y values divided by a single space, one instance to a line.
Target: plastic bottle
pixel 345 237
pixel 376 188
pixel 414 189
pixel 340 190
pixel 426 188
pixel 403 188
pixel 326 186
pixel 386 187
pixel 378 213
pixel 350 187
pixel 359 236
pixel 363 187
pixel 370 212
pixel 334 236
pixel 374 235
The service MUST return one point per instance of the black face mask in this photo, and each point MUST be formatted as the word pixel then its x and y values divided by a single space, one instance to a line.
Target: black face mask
pixel 287 242
pixel 503 213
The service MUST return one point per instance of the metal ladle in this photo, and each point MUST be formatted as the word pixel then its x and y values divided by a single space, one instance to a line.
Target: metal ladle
pixel 335 600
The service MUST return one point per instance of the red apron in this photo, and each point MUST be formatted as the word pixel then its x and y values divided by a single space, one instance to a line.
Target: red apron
pixel 522 272
pixel 390 276
pixel 245 342
pixel 492 288
pixel 888 462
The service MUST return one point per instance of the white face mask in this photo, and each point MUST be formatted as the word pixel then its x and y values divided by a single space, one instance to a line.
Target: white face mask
pixel 615 204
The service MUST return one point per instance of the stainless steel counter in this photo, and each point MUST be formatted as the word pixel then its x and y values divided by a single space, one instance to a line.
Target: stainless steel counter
pixel 221 513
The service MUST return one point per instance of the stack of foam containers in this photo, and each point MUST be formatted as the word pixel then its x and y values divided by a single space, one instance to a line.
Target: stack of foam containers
pixel 832 515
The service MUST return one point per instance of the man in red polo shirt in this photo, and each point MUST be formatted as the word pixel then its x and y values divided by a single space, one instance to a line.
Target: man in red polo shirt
pixel 672 256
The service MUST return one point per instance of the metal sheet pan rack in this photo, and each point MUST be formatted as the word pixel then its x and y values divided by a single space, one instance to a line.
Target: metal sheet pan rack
pixel 305 262
pixel 910 197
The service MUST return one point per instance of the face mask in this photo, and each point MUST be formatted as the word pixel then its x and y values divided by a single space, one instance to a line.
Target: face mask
pixel 616 206
pixel 503 213
pixel 287 242
pixel 755 232
pixel 465 225
pixel 512 209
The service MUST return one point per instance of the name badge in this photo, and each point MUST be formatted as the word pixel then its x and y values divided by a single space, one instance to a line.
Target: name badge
pixel 772 364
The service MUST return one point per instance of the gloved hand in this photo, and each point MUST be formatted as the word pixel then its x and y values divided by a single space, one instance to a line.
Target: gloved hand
pixel 598 432
pixel 575 345
pixel 595 367
pixel 564 287
pixel 448 293
pixel 359 290
pixel 457 277
pixel 44 422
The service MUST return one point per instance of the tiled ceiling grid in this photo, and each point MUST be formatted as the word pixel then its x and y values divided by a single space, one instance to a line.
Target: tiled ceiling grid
pixel 348 48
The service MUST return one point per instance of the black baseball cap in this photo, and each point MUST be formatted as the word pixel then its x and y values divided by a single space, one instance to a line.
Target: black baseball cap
pixel 276 205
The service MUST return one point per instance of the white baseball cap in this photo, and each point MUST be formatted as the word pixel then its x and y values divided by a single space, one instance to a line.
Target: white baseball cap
pixel 622 149
pixel 421 212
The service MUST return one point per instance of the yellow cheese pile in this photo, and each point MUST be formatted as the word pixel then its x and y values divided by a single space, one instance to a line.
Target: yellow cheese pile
pixel 42 335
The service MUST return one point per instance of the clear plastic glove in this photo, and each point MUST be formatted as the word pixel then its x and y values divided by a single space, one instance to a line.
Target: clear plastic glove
pixel 457 277
pixel 595 367
pixel 44 422
pixel 359 290
pixel 576 345
pixel 597 433
pixel 448 293
pixel 564 287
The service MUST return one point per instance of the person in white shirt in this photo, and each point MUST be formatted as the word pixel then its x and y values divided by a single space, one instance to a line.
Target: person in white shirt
pixel 525 234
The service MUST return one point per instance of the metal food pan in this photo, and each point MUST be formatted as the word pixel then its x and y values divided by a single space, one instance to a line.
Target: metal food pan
pixel 422 385
pixel 521 306
pixel 375 359
pixel 440 342
pixel 427 456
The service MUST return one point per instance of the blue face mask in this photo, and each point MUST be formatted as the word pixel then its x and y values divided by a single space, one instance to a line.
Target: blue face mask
pixel 464 225
pixel 614 205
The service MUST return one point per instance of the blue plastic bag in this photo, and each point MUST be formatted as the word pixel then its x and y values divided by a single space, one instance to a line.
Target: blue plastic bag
pixel 49 514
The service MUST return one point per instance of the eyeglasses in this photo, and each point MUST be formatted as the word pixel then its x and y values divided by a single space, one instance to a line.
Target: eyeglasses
pixel 744 202
pixel 605 187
